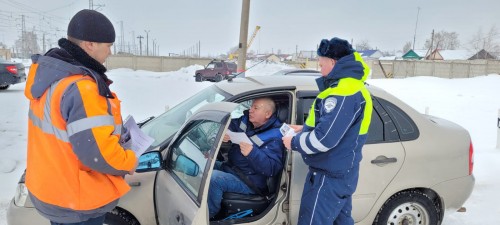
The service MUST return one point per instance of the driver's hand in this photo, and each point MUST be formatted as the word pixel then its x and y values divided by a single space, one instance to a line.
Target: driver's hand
pixel 245 148
pixel 226 138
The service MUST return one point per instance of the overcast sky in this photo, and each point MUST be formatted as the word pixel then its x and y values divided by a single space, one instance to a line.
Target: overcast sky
pixel 178 25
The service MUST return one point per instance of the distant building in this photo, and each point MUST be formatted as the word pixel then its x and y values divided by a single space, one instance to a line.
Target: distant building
pixel 5 54
pixel 371 54
pixel 483 54
pixel 307 55
pixel 449 55
pixel 415 54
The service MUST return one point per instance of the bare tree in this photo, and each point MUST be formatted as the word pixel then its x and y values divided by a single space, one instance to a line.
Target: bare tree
pixel 407 47
pixel 363 45
pixel 28 44
pixel 443 40
pixel 489 41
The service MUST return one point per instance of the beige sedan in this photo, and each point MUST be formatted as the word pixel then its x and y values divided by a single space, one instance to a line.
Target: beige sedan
pixel 414 168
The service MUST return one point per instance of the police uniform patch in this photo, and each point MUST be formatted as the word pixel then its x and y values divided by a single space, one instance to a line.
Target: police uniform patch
pixel 330 104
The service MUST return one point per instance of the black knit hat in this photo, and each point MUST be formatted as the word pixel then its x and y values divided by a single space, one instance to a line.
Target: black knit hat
pixel 335 48
pixel 90 25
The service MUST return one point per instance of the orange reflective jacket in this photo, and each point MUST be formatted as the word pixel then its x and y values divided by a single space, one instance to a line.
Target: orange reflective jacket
pixel 75 161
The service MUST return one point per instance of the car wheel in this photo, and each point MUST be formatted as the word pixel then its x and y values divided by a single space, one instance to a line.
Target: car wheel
pixel 219 77
pixel 408 207
pixel 4 87
pixel 117 217
pixel 198 78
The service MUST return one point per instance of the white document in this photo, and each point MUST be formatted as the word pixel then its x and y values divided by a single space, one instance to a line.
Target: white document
pixel 286 130
pixel 237 137
pixel 134 138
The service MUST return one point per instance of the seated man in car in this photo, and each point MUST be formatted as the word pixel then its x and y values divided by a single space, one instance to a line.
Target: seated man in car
pixel 249 165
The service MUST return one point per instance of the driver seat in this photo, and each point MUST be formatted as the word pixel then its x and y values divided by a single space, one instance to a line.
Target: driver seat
pixel 235 205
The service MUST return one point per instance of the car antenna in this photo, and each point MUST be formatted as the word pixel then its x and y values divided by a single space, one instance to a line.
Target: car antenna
pixel 234 75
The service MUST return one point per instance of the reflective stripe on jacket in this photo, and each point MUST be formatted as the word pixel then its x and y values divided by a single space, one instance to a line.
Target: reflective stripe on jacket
pixel 75 164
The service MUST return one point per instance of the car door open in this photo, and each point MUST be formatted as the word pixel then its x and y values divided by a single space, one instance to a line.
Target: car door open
pixel 181 187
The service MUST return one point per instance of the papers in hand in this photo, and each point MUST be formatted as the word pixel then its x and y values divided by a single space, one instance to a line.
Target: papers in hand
pixel 134 138
pixel 237 137
pixel 287 130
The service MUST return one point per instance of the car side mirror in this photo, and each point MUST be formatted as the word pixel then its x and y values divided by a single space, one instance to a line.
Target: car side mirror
pixel 150 161
pixel 187 166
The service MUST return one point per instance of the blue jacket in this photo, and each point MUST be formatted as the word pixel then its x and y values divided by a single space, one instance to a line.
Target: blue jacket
pixel 337 126
pixel 266 158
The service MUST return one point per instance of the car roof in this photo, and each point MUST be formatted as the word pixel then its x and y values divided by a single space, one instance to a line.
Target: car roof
pixel 254 83
pixel 303 72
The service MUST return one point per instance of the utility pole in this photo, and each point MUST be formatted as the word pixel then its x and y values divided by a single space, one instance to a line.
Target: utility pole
pixel 122 38
pixel 43 41
pixel 154 47
pixel 23 36
pixel 140 44
pixel 242 55
pixel 430 47
pixel 415 34
pixel 147 41
pixel 134 47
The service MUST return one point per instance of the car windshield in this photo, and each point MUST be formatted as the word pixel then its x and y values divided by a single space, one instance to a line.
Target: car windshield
pixel 167 124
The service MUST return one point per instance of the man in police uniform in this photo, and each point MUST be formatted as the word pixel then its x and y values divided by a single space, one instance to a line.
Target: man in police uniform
pixel 335 131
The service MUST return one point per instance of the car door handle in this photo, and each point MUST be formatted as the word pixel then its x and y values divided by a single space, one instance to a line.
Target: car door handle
pixel 383 160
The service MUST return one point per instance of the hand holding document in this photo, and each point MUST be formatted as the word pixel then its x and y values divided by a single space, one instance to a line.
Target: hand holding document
pixel 286 130
pixel 237 137
pixel 133 138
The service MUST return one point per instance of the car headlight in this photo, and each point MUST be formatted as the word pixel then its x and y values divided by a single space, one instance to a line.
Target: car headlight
pixel 21 195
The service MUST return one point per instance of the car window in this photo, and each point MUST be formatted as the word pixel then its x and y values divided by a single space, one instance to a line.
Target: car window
pixel 167 124
pixel 303 108
pixel 407 129
pixel 211 66
pixel 218 65
pixel 232 66
pixel 376 130
pixel 382 129
pixel 188 159
pixel 238 112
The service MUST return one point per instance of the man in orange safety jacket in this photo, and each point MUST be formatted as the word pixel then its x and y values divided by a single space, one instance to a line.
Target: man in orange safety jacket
pixel 76 165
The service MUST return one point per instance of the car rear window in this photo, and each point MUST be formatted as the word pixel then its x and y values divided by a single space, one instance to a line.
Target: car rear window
pixel 407 129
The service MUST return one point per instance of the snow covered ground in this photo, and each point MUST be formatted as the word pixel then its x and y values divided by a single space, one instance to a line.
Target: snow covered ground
pixel 472 103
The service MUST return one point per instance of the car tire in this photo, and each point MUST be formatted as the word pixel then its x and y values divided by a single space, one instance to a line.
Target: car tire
pixel 218 77
pixel 198 78
pixel 4 87
pixel 408 207
pixel 118 216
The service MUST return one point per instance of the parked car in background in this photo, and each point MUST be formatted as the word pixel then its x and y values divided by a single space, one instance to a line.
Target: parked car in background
pixel 414 168
pixel 216 70
pixel 11 73
pixel 298 72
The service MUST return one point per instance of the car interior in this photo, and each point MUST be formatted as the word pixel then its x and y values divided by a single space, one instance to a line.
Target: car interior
pixel 236 206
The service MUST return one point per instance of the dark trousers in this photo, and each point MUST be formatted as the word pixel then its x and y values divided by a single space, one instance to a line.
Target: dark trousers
pixel 93 221
pixel 327 198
